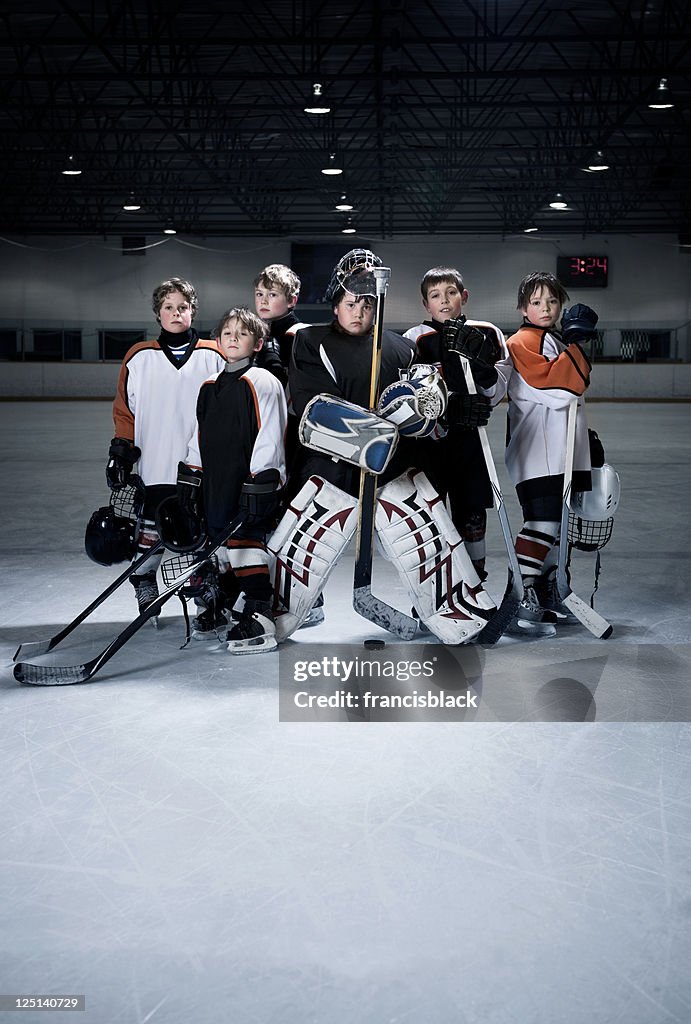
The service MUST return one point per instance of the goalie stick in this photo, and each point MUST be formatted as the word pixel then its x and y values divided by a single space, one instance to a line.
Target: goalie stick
pixel 34 648
pixel 586 615
pixel 64 675
pixel 364 601
pixel 506 612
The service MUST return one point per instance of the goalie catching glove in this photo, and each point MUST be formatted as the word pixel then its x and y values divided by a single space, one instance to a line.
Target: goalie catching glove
pixel 480 349
pixel 416 401
pixel 122 456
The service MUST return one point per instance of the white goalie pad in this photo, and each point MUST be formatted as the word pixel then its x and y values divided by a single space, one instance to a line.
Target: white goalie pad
pixel 416 534
pixel 346 431
pixel 307 544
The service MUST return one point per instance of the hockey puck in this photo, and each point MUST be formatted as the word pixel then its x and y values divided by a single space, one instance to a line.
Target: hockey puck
pixel 374 645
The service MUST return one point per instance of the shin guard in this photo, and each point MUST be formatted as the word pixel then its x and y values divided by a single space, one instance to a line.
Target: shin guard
pixel 416 534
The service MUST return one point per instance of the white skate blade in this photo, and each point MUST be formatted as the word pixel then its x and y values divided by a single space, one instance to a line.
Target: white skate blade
pixel 253 645
pixel 526 629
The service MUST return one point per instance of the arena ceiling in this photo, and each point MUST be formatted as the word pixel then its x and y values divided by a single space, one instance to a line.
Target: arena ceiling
pixel 448 116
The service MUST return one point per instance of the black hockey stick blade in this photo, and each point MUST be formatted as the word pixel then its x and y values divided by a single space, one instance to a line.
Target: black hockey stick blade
pixel 34 648
pixel 64 675
pixel 504 615
pixel 382 614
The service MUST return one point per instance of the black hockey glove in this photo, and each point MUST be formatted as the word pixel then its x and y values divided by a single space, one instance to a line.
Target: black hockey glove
pixel 597 452
pixel 189 491
pixel 260 498
pixel 122 456
pixel 578 324
pixel 480 349
pixel 468 410
pixel 269 358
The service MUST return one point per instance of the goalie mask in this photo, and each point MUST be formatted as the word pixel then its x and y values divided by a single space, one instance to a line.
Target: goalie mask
pixel 416 401
pixel 353 273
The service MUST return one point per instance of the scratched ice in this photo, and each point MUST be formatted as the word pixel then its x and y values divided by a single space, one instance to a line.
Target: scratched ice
pixel 175 853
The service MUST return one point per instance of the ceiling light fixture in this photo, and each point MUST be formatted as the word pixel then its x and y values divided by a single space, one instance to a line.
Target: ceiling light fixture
pixel 527 231
pixel 343 205
pixel 332 166
pixel 131 205
pixel 169 229
pixel 598 163
pixel 559 203
pixel 317 104
pixel 662 97
pixel 348 229
pixel 71 167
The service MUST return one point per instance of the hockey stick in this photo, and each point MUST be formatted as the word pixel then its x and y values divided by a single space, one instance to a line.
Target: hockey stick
pixel 62 675
pixel 586 615
pixel 506 612
pixel 364 601
pixel 33 648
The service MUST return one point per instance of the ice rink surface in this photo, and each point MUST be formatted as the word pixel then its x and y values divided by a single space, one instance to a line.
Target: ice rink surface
pixel 176 854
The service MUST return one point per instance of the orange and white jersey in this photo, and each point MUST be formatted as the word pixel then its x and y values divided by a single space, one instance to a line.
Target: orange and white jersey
pixel 156 401
pixel 544 377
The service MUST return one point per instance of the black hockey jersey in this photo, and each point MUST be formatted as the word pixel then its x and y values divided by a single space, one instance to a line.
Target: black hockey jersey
pixel 241 422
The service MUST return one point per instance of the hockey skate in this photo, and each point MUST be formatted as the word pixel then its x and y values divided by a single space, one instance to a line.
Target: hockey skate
pixel 530 618
pixel 210 624
pixel 255 630
pixel 146 591
pixel 548 595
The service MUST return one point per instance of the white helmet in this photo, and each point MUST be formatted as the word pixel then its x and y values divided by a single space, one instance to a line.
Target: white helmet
pixel 603 500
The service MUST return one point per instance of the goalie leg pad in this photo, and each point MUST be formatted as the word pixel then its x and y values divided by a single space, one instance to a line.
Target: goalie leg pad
pixel 418 536
pixel 307 544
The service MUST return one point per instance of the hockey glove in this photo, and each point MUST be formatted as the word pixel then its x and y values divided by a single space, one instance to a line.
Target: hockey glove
pixel 597 452
pixel 260 498
pixel 122 456
pixel 578 324
pixel 468 410
pixel 460 339
pixel 189 491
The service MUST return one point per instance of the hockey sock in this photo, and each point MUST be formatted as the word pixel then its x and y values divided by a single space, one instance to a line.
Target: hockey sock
pixel 533 545
pixel 472 527
pixel 146 538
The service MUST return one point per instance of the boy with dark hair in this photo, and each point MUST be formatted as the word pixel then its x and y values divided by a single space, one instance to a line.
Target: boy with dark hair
pixel 154 412
pixel 455 462
pixel 547 370
pixel 241 421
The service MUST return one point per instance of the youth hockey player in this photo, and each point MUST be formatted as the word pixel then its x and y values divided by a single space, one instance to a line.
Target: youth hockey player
pixel 455 462
pixel 154 412
pixel 241 421
pixel 547 368
pixel 276 291
pixel 336 359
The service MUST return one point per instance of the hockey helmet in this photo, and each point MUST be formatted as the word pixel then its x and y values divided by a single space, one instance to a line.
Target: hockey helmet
pixel 109 538
pixel 353 273
pixel 603 500
pixel 416 401
pixel 179 531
